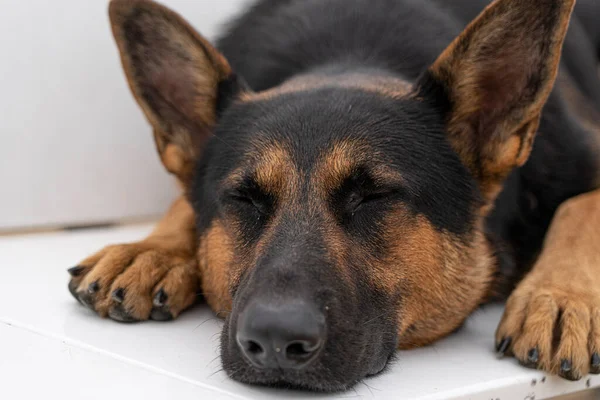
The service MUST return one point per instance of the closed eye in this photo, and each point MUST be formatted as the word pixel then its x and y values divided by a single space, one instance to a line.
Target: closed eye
pixel 253 199
pixel 242 199
pixel 357 202
pixel 366 189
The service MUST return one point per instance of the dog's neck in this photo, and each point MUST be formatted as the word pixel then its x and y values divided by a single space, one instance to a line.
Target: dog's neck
pixel 346 76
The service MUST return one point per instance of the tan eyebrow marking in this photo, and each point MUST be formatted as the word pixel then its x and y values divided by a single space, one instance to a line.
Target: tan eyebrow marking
pixel 272 167
pixel 342 160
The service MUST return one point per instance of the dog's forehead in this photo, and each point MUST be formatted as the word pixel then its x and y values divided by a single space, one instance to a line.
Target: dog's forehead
pixel 311 117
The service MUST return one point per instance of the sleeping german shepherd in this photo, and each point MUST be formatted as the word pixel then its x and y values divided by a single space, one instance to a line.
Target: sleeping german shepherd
pixel 360 175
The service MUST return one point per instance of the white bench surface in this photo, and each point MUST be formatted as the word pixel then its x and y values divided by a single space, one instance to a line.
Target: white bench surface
pixel 52 347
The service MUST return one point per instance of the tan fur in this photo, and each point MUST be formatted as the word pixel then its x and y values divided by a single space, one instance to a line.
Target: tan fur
pixel 172 157
pixel 271 166
pixel 565 281
pixel 484 71
pixel 216 255
pixel 441 280
pixel 275 171
pixel 344 158
pixel 339 163
pixel 383 85
pixel 164 260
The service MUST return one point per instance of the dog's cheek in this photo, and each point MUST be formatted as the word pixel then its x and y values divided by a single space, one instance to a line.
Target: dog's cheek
pixel 461 283
pixel 439 279
pixel 216 259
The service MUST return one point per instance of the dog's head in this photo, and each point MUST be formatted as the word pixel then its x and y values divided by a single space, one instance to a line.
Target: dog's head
pixel 342 217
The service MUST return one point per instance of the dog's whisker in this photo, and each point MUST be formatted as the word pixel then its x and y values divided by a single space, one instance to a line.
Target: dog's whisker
pixel 374 318
pixel 213 360
pixel 371 388
pixel 216 372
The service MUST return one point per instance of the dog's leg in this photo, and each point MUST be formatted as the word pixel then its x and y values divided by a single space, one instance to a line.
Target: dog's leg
pixel 156 278
pixel 552 319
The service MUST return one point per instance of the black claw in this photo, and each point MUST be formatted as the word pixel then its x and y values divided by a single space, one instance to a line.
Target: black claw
pixel 87 299
pixel 73 290
pixel 595 364
pixel 567 372
pixel 94 287
pixel 118 313
pixel 160 314
pixel 118 295
pixel 160 298
pixel 76 271
pixel 533 356
pixel 503 346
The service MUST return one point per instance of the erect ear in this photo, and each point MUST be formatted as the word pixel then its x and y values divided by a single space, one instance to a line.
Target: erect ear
pixel 497 76
pixel 179 79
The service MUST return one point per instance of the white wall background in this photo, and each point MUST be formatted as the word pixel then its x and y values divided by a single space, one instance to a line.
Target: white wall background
pixel 74 147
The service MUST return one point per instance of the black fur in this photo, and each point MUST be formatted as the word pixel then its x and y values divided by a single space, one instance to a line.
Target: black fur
pixel 278 39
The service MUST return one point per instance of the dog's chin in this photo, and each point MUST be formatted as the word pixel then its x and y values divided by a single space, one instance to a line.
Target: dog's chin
pixel 302 382
pixel 280 380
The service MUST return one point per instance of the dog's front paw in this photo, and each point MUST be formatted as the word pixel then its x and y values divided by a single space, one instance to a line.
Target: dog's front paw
pixel 136 282
pixel 553 323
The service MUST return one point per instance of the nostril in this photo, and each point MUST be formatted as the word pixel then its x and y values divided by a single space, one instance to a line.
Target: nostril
pixel 255 352
pixel 296 350
pixel 253 348
pixel 300 350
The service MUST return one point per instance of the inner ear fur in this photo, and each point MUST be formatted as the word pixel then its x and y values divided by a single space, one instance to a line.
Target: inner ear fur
pixel 175 75
pixel 497 76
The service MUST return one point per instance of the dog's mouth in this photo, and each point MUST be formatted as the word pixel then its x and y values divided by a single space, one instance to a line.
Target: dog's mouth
pixel 298 345
pixel 319 377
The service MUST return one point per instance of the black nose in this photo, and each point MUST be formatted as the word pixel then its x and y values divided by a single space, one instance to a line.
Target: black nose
pixel 288 336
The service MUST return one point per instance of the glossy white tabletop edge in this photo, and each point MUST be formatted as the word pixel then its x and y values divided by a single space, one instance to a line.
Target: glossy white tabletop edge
pixel 52 346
